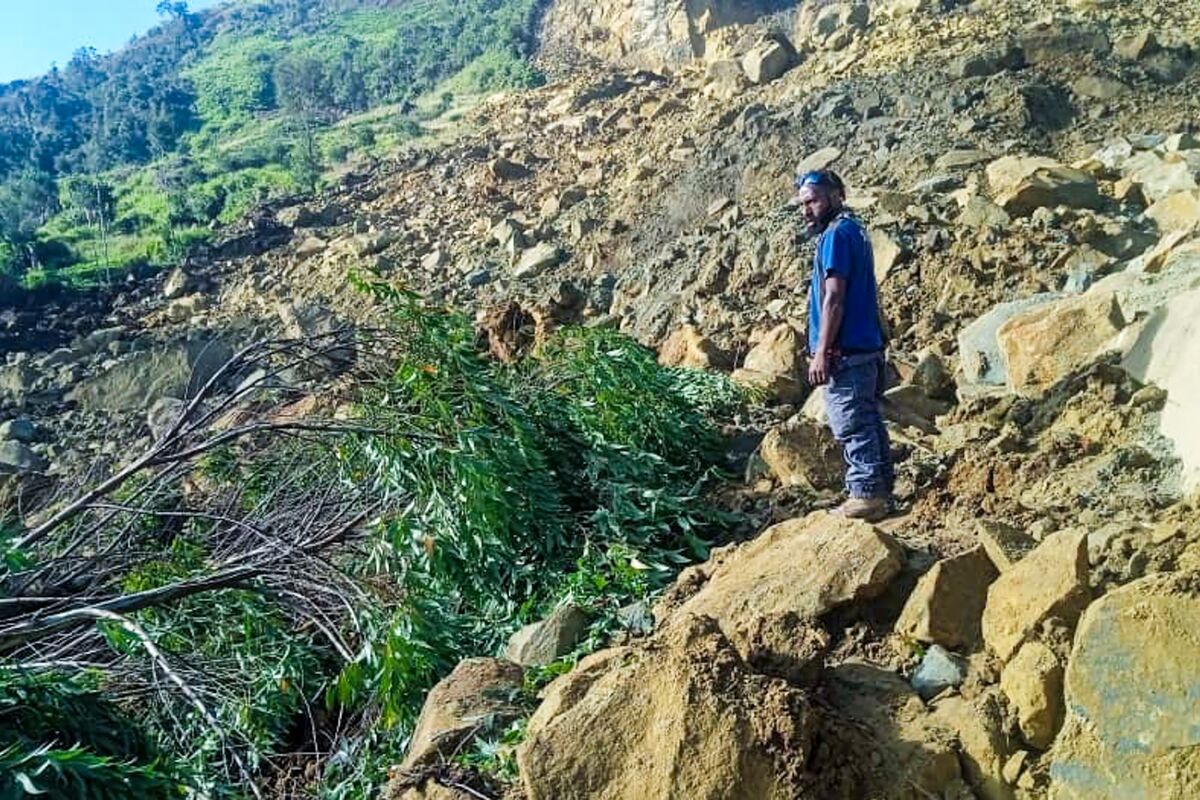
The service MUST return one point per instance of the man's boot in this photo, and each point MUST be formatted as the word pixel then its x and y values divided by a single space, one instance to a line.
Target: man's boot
pixel 871 509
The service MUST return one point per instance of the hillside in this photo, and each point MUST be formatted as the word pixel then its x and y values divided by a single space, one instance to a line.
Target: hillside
pixel 491 469
pixel 128 159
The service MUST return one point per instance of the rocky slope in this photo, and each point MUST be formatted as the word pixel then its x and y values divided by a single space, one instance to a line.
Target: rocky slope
pixel 1031 183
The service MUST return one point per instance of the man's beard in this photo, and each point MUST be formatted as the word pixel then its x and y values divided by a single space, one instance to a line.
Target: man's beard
pixel 817 226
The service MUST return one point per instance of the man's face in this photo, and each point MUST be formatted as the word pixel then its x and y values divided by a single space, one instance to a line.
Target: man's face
pixel 819 204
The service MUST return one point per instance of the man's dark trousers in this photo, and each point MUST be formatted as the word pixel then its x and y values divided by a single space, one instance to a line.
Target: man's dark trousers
pixel 852 400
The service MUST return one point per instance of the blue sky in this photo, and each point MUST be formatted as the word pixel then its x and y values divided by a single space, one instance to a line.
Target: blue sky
pixel 36 33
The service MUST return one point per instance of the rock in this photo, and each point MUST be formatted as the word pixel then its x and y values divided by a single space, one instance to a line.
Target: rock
pixel 1163 354
pixel 680 717
pixel 913 401
pixel 20 429
pixel 187 307
pixel 537 260
pixel 932 375
pixel 508 232
pixel 1050 582
pixel 886 251
pixel 988 62
pixel 807 566
pixel 508 170
pixel 477 689
pixel 767 62
pixel 311 246
pixel 1033 683
pixel 961 159
pixel 1015 767
pixel 939 670
pixel 778 353
pixel 780 388
pixel 364 245
pixel 979 212
pixel 1020 185
pixel 545 642
pixel 983 746
pixel 724 80
pixel 687 347
pixel 1098 87
pixel 1046 344
pixel 1136 46
pixel 1176 212
pixel 177 284
pixel 1158 178
pixel 435 260
pixel 17 458
pixel 162 414
pixel 947 604
pixel 1004 544
pixel 979 352
pixel 804 454
pixel 1131 696
pixel 783 646
pixel 176 370
pixel 821 159
pixel 400 789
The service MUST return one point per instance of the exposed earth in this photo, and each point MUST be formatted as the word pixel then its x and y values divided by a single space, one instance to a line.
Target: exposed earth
pixel 1026 626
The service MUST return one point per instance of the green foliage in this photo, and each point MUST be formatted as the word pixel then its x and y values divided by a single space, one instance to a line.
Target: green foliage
pixel 61 739
pixel 576 474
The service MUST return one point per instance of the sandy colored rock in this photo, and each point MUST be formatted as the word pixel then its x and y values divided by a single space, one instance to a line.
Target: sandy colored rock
pixel 547 640
pixel 682 716
pixel 1004 544
pixel 946 606
pixel 1050 582
pixel 1021 184
pixel 807 566
pixel 887 252
pixel 781 388
pixel 687 347
pixel 1033 683
pixel 1177 212
pixel 1131 686
pixel 982 744
pixel 477 688
pixel 1046 344
pixel 400 789
pixel 767 62
pixel 804 453
pixel 778 353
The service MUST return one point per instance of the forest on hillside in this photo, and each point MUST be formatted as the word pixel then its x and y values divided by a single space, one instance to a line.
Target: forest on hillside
pixel 128 158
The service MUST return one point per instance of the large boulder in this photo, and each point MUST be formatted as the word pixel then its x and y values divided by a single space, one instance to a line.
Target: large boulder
pixel 776 364
pixel 682 716
pixel 1050 582
pixel 1022 184
pixel 477 689
pixel 767 61
pixel 175 370
pixel 1165 353
pixel 804 453
pixel 1045 344
pixel 17 458
pixel 1131 689
pixel 806 566
pixel 947 604
pixel 1177 212
pixel 980 358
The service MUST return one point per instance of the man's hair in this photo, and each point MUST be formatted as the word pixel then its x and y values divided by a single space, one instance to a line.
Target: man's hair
pixel 821 177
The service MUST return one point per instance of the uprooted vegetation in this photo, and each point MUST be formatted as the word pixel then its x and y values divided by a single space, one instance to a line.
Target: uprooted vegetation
pixel 324 531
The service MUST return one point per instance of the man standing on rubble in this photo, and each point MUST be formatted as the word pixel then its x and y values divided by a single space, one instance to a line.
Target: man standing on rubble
pixel 846 341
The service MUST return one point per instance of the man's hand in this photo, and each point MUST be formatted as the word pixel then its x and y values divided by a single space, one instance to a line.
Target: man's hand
pixel 818 369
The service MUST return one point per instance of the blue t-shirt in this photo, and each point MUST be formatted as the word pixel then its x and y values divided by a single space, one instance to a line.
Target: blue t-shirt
pixel 844 250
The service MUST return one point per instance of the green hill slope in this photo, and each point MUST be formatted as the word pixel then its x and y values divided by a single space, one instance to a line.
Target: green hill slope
pixel 127 158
